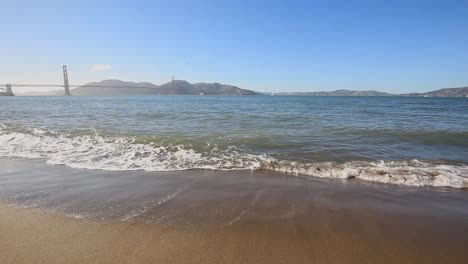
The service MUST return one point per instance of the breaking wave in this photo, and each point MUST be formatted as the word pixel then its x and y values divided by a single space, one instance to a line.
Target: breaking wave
pixel 94 151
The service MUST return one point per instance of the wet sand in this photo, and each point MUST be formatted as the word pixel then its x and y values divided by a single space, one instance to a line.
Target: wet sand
pixel 55 214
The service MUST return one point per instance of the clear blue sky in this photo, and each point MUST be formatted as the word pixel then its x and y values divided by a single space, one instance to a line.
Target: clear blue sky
pixel 393 46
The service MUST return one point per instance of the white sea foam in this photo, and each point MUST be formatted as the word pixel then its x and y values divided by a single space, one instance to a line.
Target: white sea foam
pixel 123 153
pixel 114 153
pixel 412 173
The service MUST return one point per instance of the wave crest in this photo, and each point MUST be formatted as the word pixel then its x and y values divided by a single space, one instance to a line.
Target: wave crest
pixel 93 151
pixel 412 172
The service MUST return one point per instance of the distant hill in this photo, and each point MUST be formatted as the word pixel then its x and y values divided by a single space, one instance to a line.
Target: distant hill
pixel 340 93
pixel 121 88
pixel 446 92
pixel 179 87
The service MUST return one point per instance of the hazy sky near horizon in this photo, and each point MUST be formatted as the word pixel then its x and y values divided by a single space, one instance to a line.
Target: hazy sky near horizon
pixel 393 46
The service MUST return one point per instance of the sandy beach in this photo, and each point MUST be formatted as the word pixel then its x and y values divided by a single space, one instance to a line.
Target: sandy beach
pixel 55 214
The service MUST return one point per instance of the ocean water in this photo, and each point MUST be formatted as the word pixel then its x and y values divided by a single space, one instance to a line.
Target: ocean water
pixel 407 141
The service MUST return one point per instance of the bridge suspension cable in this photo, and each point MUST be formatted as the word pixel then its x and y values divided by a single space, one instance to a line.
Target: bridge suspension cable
pixel 66 85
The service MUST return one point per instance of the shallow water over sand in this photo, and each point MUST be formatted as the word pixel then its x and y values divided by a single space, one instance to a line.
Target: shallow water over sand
pixel 205 216
pixel 205 197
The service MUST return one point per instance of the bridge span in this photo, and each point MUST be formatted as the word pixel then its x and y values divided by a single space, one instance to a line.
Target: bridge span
pixel 7 89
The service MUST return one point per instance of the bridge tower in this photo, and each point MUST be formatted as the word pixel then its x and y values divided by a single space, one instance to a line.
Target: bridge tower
pixel 65 80
pixel 173 83
pixel 8 88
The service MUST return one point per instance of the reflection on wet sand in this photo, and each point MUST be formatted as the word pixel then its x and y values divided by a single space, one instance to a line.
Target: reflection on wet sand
pixel 55 214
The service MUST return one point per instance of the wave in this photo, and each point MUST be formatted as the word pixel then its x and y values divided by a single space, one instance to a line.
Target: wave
pixel 95 151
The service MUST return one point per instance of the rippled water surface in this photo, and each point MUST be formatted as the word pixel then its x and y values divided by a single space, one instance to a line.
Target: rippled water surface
pixel 414 141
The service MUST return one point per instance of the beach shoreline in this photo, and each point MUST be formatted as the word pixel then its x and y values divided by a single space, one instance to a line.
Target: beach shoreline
pixel 55 214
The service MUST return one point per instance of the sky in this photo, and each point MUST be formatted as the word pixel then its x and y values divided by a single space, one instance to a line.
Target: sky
pixel 268 46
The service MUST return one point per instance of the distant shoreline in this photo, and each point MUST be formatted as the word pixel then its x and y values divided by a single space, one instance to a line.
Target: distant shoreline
pixel 445 92
pixel 234 95
pixel 180 87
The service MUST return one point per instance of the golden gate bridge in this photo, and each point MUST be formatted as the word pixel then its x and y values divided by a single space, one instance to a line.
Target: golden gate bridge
pixel 7 89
